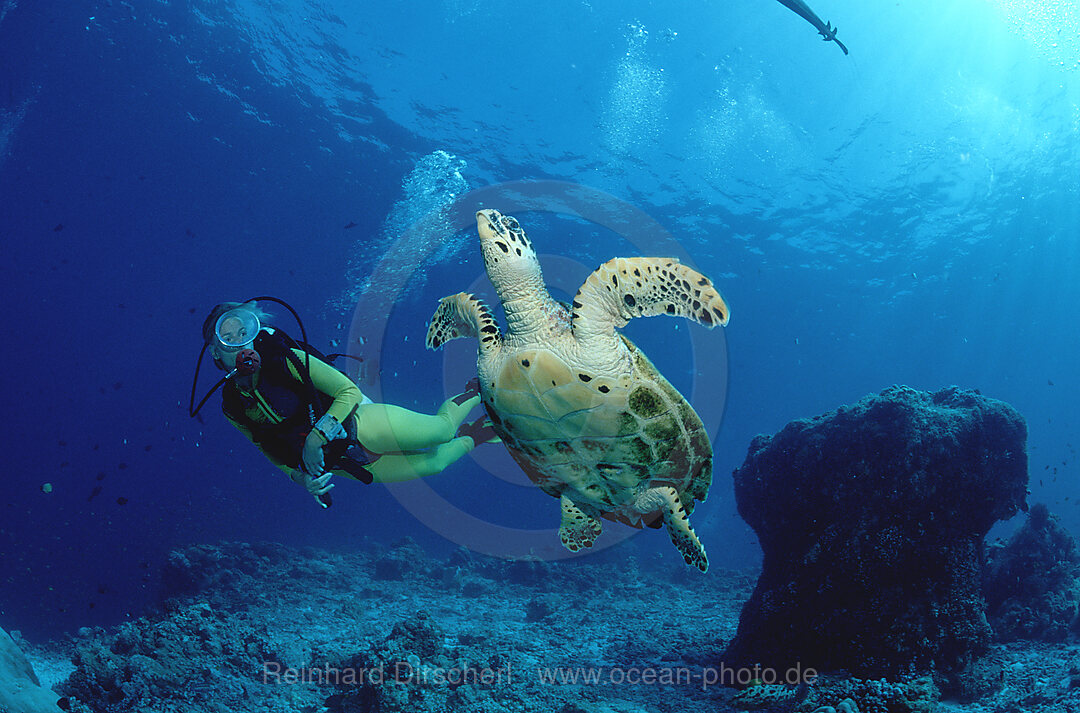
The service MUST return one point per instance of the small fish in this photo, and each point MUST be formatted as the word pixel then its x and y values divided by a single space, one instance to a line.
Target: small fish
pixel 350 224
pixel 94 493
pixel 58 228
pixel 121 500
pixel 1049 382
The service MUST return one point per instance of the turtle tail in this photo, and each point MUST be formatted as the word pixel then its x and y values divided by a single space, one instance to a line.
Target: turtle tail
pixel 462 315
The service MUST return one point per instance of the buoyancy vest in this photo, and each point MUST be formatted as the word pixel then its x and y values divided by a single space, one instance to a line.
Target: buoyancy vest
pixel 290 406
pixel 284 400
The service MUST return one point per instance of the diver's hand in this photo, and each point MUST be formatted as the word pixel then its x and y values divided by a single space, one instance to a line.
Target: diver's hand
pixel 316 485
pixel 312 455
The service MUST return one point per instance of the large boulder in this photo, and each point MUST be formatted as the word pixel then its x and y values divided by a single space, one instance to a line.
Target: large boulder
pixel 872 520
pixel 20 690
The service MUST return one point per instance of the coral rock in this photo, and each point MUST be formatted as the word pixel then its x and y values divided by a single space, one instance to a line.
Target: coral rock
pixel 872 520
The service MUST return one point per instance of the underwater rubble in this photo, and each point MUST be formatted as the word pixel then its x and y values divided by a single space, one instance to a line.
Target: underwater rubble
pixel 262 627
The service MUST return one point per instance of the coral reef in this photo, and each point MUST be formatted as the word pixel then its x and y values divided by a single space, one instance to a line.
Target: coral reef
pixel 195 652
pixel 871 519
pixel 271 629
pixel 1032 582
pixel 917 695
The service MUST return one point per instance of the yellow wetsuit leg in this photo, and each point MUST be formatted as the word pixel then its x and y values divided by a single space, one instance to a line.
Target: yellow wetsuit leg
pixel 385 428
pixel 399 467
pixel 410 444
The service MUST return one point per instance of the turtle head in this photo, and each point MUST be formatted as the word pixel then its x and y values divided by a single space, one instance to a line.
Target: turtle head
pixel 508 254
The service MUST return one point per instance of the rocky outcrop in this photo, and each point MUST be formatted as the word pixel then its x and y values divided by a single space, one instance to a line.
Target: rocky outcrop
pixel 20 690
pixel 872 520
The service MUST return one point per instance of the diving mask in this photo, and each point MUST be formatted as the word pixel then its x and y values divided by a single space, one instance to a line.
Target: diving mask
pixel 236 330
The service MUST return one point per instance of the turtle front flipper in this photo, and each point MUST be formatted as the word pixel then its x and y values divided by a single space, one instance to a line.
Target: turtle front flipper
pixel 577 529
pixel 627 287
pixel 462 315
pixel 678 525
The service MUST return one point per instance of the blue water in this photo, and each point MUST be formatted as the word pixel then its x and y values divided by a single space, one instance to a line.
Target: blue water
pixel 905 214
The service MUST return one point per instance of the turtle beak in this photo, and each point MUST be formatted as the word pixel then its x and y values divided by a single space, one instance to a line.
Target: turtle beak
pixel 487 222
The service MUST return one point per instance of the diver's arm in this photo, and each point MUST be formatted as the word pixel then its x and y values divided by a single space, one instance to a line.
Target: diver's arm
pixel 334 384
pixel 331 425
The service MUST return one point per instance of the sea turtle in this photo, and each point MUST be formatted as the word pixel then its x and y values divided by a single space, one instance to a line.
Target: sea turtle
pixel 582 410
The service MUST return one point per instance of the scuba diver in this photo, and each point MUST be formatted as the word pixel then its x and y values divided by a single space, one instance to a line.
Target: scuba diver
pixel 312 421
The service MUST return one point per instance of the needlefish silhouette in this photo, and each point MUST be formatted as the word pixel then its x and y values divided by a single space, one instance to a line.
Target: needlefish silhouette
pixel 825 29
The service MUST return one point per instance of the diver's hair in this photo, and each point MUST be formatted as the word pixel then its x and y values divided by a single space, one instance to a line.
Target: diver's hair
pixel 220 309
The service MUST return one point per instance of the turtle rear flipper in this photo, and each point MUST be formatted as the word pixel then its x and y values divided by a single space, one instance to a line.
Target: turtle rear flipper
pixel 462 315
pixel 627 287
pixel 677 523
pixel 577 529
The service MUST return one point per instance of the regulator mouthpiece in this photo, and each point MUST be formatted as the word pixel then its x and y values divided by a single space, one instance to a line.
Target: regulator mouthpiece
pixel 248 362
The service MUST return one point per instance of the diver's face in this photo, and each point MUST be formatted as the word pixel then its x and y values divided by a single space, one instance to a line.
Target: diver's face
pixel 233 331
